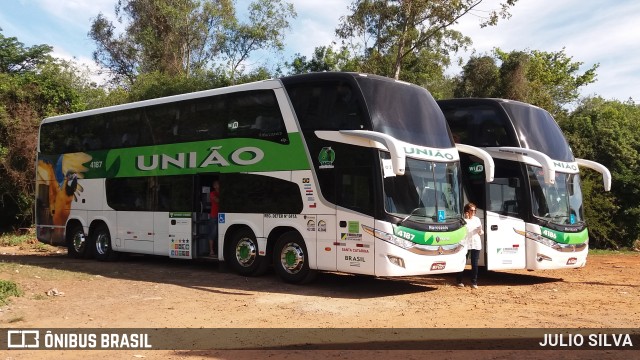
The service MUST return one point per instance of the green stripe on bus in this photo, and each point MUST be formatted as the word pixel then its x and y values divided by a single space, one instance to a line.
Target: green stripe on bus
pixel 430 238
pixel 565 238
pixel 223 156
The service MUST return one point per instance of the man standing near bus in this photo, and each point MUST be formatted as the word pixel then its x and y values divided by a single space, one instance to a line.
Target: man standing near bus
pixel 214 199
pixel 473 242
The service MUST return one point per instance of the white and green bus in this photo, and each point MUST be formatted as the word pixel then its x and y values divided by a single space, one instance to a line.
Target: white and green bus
pixel 533 210
pixel 328 171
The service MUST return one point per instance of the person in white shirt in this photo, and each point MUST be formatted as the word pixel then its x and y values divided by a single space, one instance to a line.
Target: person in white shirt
pixel 473 242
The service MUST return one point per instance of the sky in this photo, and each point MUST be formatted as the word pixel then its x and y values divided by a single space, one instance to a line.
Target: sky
pixel 601 32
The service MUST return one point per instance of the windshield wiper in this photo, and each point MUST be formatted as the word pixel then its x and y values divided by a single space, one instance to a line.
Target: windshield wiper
pixel 413 213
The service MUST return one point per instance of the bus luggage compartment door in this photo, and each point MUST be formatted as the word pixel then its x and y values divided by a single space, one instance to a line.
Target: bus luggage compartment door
pixel 505 247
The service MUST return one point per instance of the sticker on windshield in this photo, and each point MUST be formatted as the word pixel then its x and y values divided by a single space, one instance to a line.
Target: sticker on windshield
pixel 441 216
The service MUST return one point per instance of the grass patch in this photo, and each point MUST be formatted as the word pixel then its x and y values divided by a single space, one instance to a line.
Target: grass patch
pixel 24 240
pixel 7 289
pixel 16 240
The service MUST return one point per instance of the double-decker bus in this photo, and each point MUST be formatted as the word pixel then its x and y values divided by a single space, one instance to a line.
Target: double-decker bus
pixel 327 171
pixel 533 210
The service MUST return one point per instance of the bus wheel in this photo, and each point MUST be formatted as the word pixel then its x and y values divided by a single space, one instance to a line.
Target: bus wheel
pixel 102 240
pixel 291 260
pixel 243 254
pixel 78 246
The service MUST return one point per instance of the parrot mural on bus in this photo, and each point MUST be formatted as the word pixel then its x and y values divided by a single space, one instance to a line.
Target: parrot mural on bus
pixel 62 180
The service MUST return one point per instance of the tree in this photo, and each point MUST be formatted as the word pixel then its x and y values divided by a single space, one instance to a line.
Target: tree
pixel 15 58
pixel 392 32
pixel 175 37
pixel 607 132
pixel 550 80
pixel 186 38
pixel 324 58
pixel 268 19
pixel 33 85
pixel 480 78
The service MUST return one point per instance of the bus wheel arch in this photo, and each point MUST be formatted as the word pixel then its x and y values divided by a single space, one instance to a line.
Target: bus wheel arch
pixel 241 251
pixel 101 241
pixel 78 243
pixel 291 259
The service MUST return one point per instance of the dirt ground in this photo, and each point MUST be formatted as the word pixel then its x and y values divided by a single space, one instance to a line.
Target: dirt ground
pixel 152 292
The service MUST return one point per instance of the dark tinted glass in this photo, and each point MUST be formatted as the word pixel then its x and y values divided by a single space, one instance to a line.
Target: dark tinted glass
pixel 479 125
pixel 407 112
pixel 166 193
pixel 327 105
pixel 539 131
pixel 249 193
pixel 252 114
pixel 130 194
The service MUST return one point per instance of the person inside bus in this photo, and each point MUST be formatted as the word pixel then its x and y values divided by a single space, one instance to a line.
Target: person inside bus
pixel 214 197
pixel 473 242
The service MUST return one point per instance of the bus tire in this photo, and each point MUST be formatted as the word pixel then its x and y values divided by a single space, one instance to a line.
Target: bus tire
pixel 291 259
pixel 101 239
pixel 243 254
pixel 78 243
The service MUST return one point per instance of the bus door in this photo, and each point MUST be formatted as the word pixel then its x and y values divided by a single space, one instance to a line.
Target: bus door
pixel 172 211
pixel 505 246
pixel 200 219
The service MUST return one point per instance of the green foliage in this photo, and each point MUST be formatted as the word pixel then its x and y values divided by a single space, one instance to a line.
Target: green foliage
pixel 11 239
pixel 15 58
pixel 176 37
pixel 7 289
pixel 480 78
pixel 154 85
pixel 324 58
pixel 185 39
pixel 550 80
pixel 33 85
pixel 607 132
pixel 268 20
pixel 394 36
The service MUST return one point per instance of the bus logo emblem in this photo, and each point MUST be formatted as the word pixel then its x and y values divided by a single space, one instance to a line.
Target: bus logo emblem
pixel 326 157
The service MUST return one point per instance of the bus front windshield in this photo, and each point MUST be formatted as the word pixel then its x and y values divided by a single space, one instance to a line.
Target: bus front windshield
pixel 428 192
pixel 559 203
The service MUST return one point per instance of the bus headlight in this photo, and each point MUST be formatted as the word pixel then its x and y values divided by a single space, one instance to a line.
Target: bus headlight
pixel 390 238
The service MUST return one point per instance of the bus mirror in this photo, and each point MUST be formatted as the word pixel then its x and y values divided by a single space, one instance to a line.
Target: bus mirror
pixel 514 182
pixel 371 139
pixel 606 175
pixel 489 165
